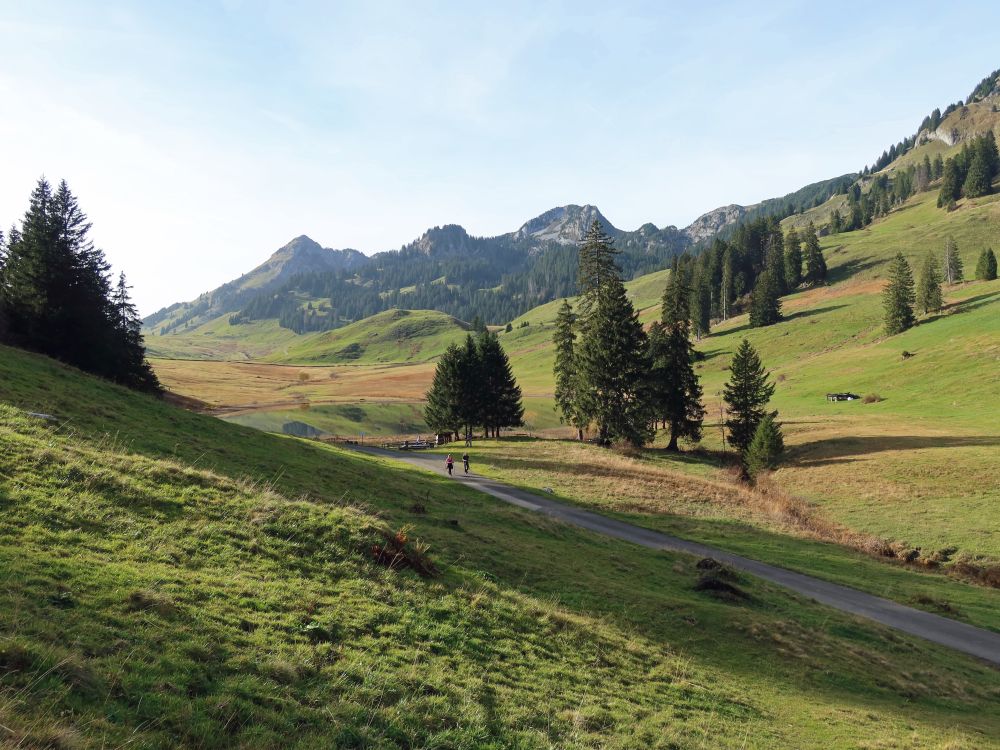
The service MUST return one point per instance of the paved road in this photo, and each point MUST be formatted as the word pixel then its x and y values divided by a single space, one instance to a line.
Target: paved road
pixel 959 636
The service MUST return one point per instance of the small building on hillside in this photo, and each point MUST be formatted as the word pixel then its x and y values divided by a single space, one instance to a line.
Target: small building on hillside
pixel 842 397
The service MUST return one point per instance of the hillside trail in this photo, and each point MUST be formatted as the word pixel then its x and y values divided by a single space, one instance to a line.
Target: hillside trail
pixel 977 642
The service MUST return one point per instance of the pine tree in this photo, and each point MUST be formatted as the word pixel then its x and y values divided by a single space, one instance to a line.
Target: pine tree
pixel 727 287
pixel 990 154
pixel 774 259
pixel 977 180
pixel 765 448
pixel 675 392
pixel 938 166
pixel 898 297
pixel 952 263
pixel 676 302
pixel 567 394
pixel 793 259
pixel 129 350
pixel 746 394
pixel 597 264
pixel 986 267
pixel 701 304
pixel 443 410
pixel 815 262
pixel 471 395
pixel 613 368
pixel 500 403
pixel 951 184
pixel 929 296
pixel 765 303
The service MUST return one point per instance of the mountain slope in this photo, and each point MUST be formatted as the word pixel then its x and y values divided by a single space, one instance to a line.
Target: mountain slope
pixel 156 594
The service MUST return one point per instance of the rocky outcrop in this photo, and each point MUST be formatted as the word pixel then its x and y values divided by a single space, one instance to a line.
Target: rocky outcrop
pixel 710 224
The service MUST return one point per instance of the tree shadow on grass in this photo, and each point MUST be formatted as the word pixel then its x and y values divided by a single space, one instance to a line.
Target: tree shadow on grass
pixel 846 449
pixel 963 306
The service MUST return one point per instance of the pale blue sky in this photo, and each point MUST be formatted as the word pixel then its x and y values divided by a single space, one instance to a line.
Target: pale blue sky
pixel 200 136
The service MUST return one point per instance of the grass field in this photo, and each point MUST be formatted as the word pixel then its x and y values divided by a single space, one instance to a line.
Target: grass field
pixel 169 579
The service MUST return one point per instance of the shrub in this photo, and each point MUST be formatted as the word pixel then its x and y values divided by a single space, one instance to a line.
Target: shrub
pixel 399 551
pixel 872 398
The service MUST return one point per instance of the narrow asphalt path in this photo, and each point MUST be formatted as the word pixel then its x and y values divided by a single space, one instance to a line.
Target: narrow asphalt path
pixel 983 644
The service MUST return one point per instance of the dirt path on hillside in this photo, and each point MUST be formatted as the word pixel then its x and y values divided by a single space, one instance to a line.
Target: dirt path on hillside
pixel 977 642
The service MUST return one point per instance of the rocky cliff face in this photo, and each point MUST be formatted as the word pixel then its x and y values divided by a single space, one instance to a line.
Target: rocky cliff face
pixel 566 225
pixel 708 225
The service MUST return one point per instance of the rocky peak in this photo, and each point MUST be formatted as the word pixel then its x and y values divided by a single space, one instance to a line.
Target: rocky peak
pixel 566 225
pixel 709 224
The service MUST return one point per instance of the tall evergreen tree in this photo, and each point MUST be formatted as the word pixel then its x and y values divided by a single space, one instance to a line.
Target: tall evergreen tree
pixel 938 167
pixel 978 178
pixel 898 297
pixel 774 260
pixel 613 368
pixel 986 267
pixel 951 184
pixel 765 303
pixel 793 259
pixel 727 289
pixel 501 405
pixel 815 262
pixel 746 395
pixel 597 264
pixel 952 262
pixel 471 394
pixel 676 301
pixel 929 296
pixel 129 348
pixel 567 395
pixel 675 392
pixel 701 303
pixel 442 412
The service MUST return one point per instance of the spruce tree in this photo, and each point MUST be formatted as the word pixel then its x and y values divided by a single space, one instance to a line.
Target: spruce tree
pixel 567 395
pixel 938 166
pixel 597 264
pixel 500 402
pixel 765 303
pixel 898 297
pixel 774 260
pixel 471 395
pixel 701 304
pixel 128 349
pixel 953 271
pixel 443 410
pixel 765 448
pixel 986 267
pixel 727 286
pixel 929 296
pixel 793 259
pixel 676 301
pixel 746 396
pixel 815 262
pixel 613 368
pixel 951 184
pixel 978 179
pixel 675 392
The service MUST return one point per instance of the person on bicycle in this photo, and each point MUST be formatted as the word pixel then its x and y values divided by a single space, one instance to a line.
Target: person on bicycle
pixel 450 462
pixel 465 461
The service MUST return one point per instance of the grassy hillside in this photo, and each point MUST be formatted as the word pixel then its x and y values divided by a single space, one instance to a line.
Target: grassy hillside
pixel 392 336
pixel 168 579
pixel 217 339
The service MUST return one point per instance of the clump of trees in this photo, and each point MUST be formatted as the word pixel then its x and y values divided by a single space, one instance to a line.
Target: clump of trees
pixel 474 386
pixel 609 373
pixel 57 296
pixel 971 172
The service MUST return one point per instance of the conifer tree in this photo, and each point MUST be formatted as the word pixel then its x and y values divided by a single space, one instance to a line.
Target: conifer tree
pixel 567 395
pixel 727 287
pixel 765 303
pixel 701 304
pixel 613 368
pixel 938 167
pixel 898 297
pixel 676 301
pixel 929 296
pixel 471 395
pixel 978 178
pixel 765 448
pixel 793 259
pixel 746 396
pixel 675 392
pixel 443 410
pixel 952 263
pixel 774 259
pixel 500 403
pixel 951 184
pixel 815 262
pixel 986 267
pixel 129 349
pixel 597 264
